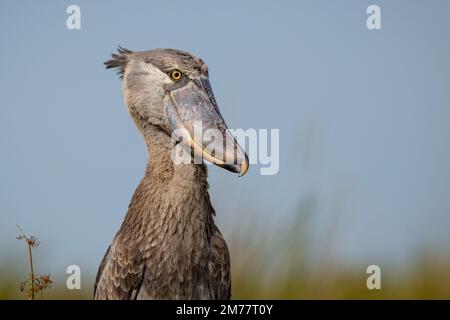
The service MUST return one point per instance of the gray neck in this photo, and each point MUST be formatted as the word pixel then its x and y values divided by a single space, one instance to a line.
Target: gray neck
pixel 170 210
pixel 161 169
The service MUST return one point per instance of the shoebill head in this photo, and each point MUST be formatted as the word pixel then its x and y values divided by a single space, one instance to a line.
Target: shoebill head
pixel 170 89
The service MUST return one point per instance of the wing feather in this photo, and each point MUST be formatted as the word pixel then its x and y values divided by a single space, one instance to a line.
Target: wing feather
pixel 219 267
pixel 119 276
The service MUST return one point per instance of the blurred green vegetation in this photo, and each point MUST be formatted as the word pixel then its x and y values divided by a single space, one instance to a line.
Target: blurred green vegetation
pixel 251 280
pixel 294 279
pixel 254 278
pixel 286 265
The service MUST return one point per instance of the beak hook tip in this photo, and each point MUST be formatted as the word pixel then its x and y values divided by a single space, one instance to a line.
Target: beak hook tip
pixel 244 167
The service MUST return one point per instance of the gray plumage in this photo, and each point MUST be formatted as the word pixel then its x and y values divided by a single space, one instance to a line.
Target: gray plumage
pixel 168 246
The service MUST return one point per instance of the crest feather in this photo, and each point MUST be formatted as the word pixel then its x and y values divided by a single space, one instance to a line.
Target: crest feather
pixel 119 60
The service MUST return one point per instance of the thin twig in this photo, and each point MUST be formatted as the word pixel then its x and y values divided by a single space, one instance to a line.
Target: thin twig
pixel 30 256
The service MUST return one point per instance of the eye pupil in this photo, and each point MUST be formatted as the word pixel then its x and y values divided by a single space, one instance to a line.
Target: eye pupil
pixel 176 75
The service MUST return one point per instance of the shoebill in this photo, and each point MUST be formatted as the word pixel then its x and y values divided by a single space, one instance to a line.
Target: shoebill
pixel 168 246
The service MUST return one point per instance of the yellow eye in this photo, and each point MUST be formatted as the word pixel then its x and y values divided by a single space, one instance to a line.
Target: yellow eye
pixel 176 74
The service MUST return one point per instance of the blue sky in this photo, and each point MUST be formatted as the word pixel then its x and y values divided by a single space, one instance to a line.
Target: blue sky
pixel 363 118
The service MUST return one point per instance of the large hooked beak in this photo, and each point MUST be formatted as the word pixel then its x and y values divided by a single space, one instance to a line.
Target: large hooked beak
pixel 192 109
